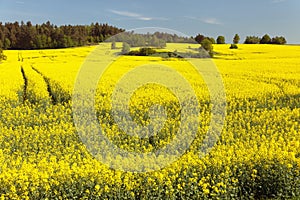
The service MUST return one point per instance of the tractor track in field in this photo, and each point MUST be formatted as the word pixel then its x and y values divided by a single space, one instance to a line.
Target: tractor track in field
pixel 47 81
pixel 25 84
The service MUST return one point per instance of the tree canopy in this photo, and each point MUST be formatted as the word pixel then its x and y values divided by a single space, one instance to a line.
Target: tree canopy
pixel 125 48
pixel 236 39
pixel 221 40
pixel 266 39
pixel 278 40
pixel 207 45
pixel 252 40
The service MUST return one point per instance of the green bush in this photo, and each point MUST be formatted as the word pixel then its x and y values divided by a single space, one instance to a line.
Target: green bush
pixel 2 56
pixel 233 46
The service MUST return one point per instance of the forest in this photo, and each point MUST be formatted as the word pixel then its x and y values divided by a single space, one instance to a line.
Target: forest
pixel 49 36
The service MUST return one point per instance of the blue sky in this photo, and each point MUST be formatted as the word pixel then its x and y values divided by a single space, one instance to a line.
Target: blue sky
pixel 209 17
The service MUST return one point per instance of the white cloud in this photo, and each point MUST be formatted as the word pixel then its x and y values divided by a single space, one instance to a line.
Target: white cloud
pixel 212 21
pixel 278 1
pixel 125 13
pixel 135 15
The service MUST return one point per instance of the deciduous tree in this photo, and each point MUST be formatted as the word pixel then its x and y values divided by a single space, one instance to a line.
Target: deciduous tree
pixel 207 45
pixel 236 39
pixel 125 48
pixel 221 40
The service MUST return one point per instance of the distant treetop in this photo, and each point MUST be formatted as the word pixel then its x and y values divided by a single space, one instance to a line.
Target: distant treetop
pixel 236 39
pixel 266 39
pixel 156 39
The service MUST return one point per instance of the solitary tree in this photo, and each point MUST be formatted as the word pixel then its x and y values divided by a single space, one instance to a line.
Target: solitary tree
pixel 236 39
pixel 265 39
pixel 221 40
pixel 125 48
pixel 207 45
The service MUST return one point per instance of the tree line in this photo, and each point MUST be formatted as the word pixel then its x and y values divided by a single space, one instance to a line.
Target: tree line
pixel 44 36
pixel 157 39
pixel 266 39
pixel 207 42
